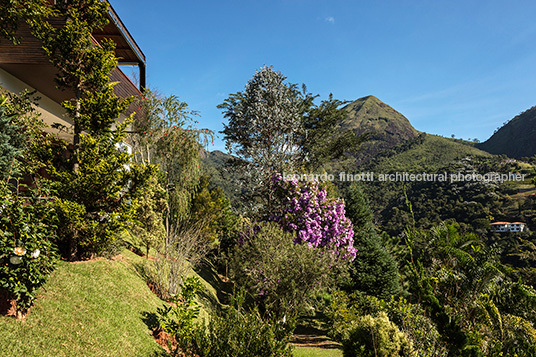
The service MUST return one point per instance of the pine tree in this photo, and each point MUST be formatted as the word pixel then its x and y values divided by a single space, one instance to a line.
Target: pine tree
pixel 83 67
pixel 374 271
pixel 95 182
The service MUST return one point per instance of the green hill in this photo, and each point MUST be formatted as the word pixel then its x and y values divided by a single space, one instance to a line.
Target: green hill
pixel 516 139
pixel 425 152
pixel 93 308
pixel 386 127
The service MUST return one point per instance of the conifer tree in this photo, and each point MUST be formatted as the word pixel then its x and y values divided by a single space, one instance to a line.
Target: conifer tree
pixel 374 271
pixel 95 182
pixel 83 66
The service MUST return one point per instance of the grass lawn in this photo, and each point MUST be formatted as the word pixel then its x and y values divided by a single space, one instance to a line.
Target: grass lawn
pixel 94 308
pixel 103 308
pixel 316 352
pixel 310 338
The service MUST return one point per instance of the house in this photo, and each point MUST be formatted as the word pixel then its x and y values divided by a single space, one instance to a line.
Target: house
pixel 508 227
pixel 25 66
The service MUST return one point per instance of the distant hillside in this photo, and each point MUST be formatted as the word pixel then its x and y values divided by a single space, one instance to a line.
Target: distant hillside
pixel 214 165
pixel 516 139
pixel 425 152
pixel 386 126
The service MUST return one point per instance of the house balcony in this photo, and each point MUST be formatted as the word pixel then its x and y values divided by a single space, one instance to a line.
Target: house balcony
pixel 25 66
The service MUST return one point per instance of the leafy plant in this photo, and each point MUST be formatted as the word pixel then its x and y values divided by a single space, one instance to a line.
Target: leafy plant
pixel 179 319
pixel 27 255
pixel 468 293
pixel 239 332
pixel 421 332
pixel 11 141
pixel 374 336
pixel 281 275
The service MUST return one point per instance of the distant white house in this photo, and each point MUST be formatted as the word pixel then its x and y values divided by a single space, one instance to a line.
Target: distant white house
pixel 508 227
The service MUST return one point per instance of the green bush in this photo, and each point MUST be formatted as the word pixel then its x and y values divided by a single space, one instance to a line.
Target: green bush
pixel 282 276
pixel 96 202
pixel 346 308
pixel 422 333
pixel 518 338
pixel 179 320
pixel 27 254
pixel 374 336
pixel 11 142
pixel 238 332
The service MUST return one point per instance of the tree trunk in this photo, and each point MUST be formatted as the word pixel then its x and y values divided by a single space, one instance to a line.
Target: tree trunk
pixel 77 131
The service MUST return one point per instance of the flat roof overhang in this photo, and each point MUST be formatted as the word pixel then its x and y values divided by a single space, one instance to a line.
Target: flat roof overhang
pixel 30 52
pixel 29 63
pixel 127 50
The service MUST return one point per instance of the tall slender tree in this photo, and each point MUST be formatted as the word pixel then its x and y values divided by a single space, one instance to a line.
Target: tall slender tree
pixel 95 183
pixel 264 123
pixel 83 66
pixel 275 127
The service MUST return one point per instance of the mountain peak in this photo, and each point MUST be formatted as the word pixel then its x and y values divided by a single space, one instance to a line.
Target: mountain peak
pixel 372 115
pixel 386 126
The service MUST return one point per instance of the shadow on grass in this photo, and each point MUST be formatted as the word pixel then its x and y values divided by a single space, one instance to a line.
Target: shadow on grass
pixel 223 289
pixel 150 319
pixel 312 332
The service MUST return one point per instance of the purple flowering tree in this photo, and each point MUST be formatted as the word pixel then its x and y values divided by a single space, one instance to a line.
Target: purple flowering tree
pixel 303 207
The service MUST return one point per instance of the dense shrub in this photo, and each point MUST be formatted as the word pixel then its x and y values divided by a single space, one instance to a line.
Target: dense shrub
pixel 345 308
pixel 179 320
pixel 283 276
pixel 11 141
pixel 27 255
pixel 238 332
pixel 519 337
pixel 374 336
pixel 234 332
pixel 421 332
pixel 411 319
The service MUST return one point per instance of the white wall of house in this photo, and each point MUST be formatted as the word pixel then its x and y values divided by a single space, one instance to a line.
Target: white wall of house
pixel 508 227
pixel 51 112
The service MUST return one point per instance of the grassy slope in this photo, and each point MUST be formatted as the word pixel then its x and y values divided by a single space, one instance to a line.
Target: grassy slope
pixel 316 352
pixel 91 308
pixel 100 308
pixel 434 153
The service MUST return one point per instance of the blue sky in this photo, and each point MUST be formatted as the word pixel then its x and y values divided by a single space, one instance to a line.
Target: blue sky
pixel 451 67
